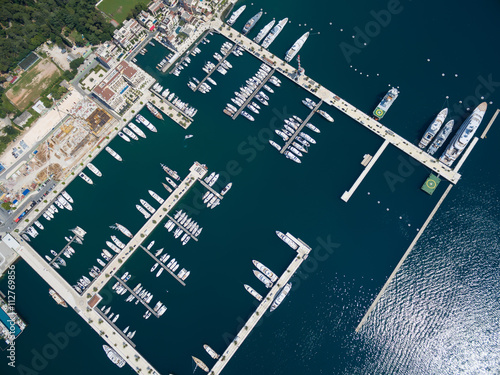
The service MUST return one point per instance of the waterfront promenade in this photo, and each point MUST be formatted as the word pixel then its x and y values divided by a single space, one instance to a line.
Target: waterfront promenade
pixel 302 253
pixel 334 100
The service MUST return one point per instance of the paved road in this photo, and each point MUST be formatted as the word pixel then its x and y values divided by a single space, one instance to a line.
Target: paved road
pixel 7 220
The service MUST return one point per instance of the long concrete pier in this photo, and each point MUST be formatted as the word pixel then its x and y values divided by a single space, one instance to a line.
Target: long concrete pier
pixel 81 306
pixel 146 305
pixel 347 194
pixel 302 253
pixel 162 265
pixel 490 123
pixel 301 126
pixel 408 251
pixel 197 171
pixel 249 99
pixel 334 100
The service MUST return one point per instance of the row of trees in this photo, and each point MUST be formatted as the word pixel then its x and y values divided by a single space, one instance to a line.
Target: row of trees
pixel 26 24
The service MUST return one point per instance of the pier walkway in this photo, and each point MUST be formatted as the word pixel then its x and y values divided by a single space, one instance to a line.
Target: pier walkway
pixel 347 194
pixel 170 104
pixel 118 330
pixel 64 248
pixel 408 251
pixel 216 66
pixel 301 126
pixel 332 99
pixel 146 305
pixel 209 188
pixel 182 227
pixel 162 265
pixel 197 171
pixel 302 253
pixel 249 99
pixel 489 124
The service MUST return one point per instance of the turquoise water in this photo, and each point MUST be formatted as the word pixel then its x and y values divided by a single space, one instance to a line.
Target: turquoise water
pixel 4 318
pixel 441 313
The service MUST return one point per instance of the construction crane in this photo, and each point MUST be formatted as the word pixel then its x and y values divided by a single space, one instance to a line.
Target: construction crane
pixel 300 70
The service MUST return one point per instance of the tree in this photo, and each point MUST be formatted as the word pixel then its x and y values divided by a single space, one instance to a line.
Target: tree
pixel 76 63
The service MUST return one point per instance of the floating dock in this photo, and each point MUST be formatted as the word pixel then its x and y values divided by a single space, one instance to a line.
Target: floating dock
pixel 301 126
pixel 408 251
pixel 249 99
pixel 163 265
pixel 118 330
pixel 64 248
pixel 215 67
pixel 302 253
pixel 490 123
pixel 347 194
pixel 209 188
pixel 431 184
pixel 182 227
pixel 146 305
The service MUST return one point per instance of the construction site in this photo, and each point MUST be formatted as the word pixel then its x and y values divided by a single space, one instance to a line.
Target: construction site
pixel 81 127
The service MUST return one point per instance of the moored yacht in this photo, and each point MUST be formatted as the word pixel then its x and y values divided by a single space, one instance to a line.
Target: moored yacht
pixel 253 292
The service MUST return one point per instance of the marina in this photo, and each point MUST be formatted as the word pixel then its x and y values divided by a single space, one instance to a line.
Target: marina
pixel 182 227
pixel 163 265
pixel 344 289
pixel 301 126
pixel 302 254
pixel 342 105
pixel 141 300
pixel 214 69
pixel 196 171
pixel 252 95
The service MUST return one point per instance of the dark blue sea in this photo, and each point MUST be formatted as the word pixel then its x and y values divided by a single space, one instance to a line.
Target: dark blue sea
pixel 441 313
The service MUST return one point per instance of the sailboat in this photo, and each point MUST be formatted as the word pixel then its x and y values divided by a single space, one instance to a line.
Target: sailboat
pixel 200 364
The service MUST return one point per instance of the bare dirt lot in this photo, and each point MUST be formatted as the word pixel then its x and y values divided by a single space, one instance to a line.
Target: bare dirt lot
pixel 32 83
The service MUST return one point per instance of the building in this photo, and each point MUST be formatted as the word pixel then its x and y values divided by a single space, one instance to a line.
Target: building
pixel 130 30
pixel 121 86
pixel 22 119
pixel 156 7
pixel 106 55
